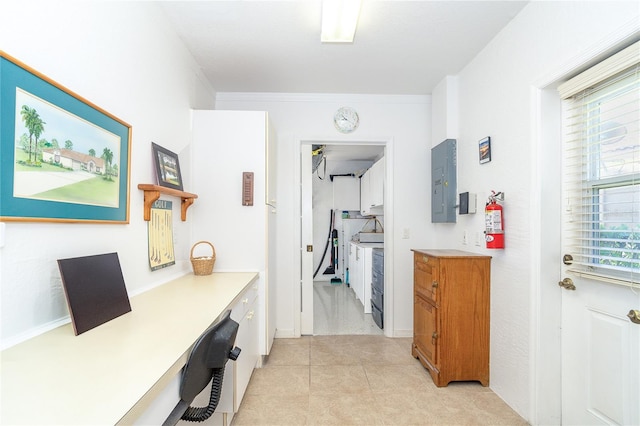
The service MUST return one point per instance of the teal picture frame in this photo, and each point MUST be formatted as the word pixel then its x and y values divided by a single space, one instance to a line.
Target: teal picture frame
pixel 62 158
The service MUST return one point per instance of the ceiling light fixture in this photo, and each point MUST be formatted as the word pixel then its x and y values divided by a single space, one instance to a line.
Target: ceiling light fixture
pixel 339 20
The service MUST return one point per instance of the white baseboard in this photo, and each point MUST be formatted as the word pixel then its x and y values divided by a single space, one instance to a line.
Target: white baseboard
pixel 285 334
pixel 403 333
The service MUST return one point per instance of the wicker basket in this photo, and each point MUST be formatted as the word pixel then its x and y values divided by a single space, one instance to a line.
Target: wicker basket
pixel 203 265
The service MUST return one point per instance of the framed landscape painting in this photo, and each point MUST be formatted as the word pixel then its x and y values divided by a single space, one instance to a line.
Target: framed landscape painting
pixel 62 159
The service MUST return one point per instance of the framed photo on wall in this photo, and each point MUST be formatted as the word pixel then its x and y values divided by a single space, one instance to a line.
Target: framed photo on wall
pixel 63 159
pixel 484 148
pixel 167 167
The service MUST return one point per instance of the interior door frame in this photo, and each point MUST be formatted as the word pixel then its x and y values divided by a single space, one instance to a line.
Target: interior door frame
pixel 546 297
pixel 306 238
pixel 298 296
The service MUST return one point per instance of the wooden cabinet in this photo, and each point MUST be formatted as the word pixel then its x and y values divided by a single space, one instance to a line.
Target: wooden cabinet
pixel 451 315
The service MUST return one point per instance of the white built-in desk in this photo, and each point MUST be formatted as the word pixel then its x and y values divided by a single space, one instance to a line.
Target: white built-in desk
pixel 110 374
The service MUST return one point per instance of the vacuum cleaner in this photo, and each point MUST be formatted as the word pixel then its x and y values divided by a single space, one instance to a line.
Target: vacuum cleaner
pixel 332 240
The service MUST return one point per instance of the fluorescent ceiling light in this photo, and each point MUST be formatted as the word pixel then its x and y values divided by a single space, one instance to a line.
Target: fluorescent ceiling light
pixel 339 20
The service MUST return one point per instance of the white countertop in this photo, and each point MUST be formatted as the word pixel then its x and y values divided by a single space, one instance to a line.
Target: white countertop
pixel 109 374
pixel 372 245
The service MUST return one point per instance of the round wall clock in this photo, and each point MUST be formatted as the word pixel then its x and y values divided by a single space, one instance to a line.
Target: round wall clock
pixel 346 120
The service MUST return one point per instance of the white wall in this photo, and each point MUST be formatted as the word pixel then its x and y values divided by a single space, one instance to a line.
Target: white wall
pixel 498 97
pixel 445 107
pixel 121 57
pixel 401 120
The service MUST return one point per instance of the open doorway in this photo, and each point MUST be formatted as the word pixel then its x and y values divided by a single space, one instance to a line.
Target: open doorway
pixel 335 298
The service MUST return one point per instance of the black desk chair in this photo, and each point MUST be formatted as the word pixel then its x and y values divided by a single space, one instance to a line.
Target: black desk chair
pixel 206 364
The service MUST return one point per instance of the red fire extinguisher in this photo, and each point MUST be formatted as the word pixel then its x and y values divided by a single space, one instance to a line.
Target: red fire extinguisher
pixel 494 222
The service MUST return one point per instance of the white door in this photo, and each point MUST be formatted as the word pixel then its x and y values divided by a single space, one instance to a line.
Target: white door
pixel 306 241
pixel 600 354
pixel 601 197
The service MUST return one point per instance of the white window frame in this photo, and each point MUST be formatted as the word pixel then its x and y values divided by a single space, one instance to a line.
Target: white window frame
pixel 583 185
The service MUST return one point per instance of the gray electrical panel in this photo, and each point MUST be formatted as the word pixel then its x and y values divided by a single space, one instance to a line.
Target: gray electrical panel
pixel 443 182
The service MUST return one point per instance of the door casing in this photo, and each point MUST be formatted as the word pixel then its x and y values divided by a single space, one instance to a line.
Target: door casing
pixel 546 258
pixel 304 291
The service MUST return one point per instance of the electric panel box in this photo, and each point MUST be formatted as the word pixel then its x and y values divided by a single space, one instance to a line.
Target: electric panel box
pixel 443 182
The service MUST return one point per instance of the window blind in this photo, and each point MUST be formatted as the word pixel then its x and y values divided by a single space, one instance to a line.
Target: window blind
pixel 601 169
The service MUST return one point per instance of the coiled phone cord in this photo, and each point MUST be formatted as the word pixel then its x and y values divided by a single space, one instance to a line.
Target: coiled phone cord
pixel 200 414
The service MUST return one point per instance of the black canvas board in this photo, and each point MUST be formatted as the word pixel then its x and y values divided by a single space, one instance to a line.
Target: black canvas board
pixel 463 203
pixel 95 290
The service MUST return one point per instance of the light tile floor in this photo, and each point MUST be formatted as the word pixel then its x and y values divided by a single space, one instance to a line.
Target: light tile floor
pixel 361 380
pixel 336 310
pixel 350 374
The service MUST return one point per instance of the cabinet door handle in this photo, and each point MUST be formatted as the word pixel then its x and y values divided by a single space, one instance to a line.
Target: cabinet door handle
pixel 245 301
pixel 434 337
pixel 434 284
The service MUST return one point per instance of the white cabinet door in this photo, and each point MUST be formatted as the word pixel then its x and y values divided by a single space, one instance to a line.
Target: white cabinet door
pixel 372 190
pixel 367 265
pixel 365 194
pixel 346 193
pixel 242 141
pixel 376 184
pixel 355 274
pixel 236 139
pixel 247 341
pixel 360 264
pixel 352 263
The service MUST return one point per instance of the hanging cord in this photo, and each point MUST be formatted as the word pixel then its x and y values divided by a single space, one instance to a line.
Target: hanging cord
pixel 324 166
pixel 200 414
pixel 327 244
